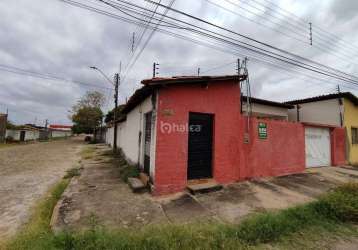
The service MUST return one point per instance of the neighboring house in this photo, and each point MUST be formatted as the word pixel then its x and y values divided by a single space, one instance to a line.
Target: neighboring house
pixel 60 131
pixel 261 108
pixel 182 129
pixel 3 122
pixel 322 112
pixel 23 133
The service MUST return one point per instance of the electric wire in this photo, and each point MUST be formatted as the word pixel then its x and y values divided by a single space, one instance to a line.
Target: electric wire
pixel 138 23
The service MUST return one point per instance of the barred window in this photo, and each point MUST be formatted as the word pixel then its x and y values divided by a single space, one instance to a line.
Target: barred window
pixel 354 135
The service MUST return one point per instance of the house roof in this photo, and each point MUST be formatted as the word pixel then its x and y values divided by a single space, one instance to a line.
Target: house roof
pixel 347 95
pixel 151 84
pixel 138 96
pixel 269 103
pixel 190 79
pixel 60 126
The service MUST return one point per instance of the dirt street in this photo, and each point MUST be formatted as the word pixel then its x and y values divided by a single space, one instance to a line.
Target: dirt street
pixel 26 173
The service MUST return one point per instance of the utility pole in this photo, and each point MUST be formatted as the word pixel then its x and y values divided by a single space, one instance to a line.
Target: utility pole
pixel 155 69
pixel 238 67
pixel 198 71
pixel 116 85
pixel 311 39
pixel 338 89
pixel 132 42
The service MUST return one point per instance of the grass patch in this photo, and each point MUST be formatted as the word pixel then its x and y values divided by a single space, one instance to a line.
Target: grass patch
pixel 37 234
pixel 72 173
pixel 6 145
pixel 313 225
pixel 88 152
pixel 128 171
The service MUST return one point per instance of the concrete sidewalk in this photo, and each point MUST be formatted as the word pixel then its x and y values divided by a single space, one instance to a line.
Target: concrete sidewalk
pixel 100 197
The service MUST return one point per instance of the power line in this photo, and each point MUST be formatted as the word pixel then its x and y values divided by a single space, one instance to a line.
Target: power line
pixel 142 33
pixel 319 45
pixel 290 17
pixel 150 35
pixel 228 42
pixel 250 47
pixel 20 71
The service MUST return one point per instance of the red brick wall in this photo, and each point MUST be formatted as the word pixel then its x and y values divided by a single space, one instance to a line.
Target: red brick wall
pixel 283 152
pixel 221 99
pixel 338 146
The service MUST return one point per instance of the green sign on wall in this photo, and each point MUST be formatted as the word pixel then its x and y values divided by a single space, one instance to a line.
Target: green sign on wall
pixel 262 128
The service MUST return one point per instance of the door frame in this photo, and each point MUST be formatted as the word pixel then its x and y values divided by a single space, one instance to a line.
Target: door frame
pixel 212 117
pixel 146 162
pixel 22 135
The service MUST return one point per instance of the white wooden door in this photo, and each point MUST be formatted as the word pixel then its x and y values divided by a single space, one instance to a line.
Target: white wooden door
pixel 318 147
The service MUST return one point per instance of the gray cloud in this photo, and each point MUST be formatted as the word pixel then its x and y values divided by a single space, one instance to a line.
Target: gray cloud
pixel 55 38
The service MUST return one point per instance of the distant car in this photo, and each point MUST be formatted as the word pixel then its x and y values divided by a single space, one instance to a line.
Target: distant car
pixel 88 138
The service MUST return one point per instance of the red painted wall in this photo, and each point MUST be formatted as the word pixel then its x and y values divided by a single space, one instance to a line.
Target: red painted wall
pixel 222 99
pixel 283 152
pixel 338 146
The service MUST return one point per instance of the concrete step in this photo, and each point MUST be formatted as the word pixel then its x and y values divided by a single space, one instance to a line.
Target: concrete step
pixel 199 186
pixel 136 185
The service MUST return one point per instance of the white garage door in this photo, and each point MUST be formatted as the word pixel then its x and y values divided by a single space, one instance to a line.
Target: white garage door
pixel 318 147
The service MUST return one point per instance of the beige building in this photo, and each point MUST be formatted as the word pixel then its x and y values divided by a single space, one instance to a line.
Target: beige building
pixel 318 111
pixel 261 108
pixel 338 110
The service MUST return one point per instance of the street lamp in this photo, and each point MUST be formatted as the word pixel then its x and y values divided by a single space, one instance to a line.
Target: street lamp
pixel 103 74
pixel 115 84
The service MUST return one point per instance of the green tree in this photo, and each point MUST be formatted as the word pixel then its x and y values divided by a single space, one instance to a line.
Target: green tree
pixel 10 125
pixel 86 114
pixel 87 119
pixel 110 114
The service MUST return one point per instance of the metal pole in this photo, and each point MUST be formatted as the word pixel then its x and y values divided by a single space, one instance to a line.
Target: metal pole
pixel 116 84
pixel 154 66
pixel 311 39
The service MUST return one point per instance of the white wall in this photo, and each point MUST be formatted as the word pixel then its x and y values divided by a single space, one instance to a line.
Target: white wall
pixel 29 134
pixel 130 134
pixel 15 134
pixel 261 110
pixel 32 135
pixel 130 130
pixel 321 112
pixel 58 133
pixel 109 136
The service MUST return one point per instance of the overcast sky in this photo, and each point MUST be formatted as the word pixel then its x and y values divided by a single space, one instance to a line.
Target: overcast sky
pixel 51 37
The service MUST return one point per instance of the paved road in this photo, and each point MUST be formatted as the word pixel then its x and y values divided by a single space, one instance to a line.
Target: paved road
pixel 26 173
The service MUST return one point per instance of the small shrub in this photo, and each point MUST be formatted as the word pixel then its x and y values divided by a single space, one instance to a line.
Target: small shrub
pixel 9 139
pixel 270 226
pixel 128 171
pixel 88 152
pixel 93 141
pixel 72 173
pixel 340 204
